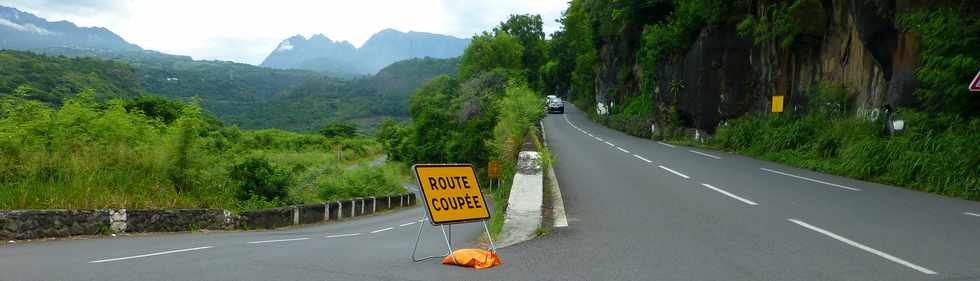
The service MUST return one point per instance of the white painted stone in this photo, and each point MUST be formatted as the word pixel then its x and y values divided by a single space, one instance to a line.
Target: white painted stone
pixel 117 220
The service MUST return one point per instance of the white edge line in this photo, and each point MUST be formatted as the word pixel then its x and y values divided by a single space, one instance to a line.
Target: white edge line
pixel 865 248
pixel 342 235
pixel 623 150
pixel 383 229
pixel 406 224
pixel 666 144
pixel 641 158
pixel 152 254
pixel 971 214
pixel 809 179
pixel 557 203
pixel 280 240
pixel 675 172
pixel 729 194
pixel 704 154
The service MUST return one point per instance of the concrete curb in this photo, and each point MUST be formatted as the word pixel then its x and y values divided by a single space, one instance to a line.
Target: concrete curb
pixel 38 224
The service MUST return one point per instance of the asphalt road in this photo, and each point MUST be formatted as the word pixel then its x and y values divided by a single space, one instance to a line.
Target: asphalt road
pixel 638 210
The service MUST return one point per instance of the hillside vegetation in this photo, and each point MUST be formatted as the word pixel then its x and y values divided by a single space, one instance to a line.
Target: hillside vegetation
pixel 99 142
pixel 55 78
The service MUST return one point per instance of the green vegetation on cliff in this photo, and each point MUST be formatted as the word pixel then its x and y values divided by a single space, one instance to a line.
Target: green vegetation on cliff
pixel 671 63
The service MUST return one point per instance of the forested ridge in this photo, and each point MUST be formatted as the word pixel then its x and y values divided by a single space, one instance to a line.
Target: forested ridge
pixel 244 95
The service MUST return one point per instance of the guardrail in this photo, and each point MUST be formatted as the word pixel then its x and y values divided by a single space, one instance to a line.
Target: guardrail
pixel 37 224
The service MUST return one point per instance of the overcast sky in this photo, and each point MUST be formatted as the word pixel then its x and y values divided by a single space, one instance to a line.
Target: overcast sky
pixel 247 30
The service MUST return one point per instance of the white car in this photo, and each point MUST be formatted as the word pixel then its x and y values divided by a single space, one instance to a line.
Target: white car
pixel 556 105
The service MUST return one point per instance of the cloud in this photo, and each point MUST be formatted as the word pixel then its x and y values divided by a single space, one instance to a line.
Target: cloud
pixel 248 30
pixel 25 27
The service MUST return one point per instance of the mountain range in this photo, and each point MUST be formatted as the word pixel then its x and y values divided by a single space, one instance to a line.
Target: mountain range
pixel 24 31
pixel 319 53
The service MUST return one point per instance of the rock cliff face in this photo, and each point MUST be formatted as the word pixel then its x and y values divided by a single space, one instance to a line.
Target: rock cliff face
pixel 724 75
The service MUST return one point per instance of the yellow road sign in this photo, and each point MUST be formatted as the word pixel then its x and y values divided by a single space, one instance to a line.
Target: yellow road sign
pixel 493 170
pixel 451 193
pixel 777 103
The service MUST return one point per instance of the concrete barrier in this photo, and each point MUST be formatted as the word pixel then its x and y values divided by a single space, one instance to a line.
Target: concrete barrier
pixel 369 205
pixel 346 208
pixel 358 207
pixel 382 204
pixel 524 215
pixel 312 213
pixel 267 218
pixel 333 210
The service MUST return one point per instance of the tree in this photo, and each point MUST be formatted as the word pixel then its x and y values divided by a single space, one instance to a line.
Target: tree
pixel 489 51
pixel 528 30
pixel 338 129
pixel 155 107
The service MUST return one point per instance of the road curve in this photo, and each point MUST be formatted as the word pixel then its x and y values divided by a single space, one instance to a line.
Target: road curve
pixel 638 210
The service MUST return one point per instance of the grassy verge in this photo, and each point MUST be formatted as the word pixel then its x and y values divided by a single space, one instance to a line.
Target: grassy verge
pixel 938 154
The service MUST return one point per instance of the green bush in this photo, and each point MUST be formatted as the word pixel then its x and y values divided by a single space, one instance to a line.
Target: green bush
pixel 257 177
pixel 949 58
pixel 786 23
pixel 360 182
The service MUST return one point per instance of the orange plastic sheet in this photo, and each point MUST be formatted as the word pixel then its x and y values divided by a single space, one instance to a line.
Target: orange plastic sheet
pixel 475 258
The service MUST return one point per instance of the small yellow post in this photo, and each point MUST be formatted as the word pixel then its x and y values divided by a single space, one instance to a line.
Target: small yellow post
pixel 777 104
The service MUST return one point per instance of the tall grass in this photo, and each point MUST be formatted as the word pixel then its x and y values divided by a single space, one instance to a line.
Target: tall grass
pixel 87 154
pixel 938 153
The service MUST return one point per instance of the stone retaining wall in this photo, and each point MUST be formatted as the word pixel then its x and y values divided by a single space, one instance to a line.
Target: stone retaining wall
pixel 170 220
pixel 32 224
pixel 35 224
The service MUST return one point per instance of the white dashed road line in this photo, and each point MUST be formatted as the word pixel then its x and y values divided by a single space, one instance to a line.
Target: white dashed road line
pixel 809 179
pixel 675 172
pixel 729 194
pixel 342 235
pixel 971 214
pixel 406 224
pixel 641 158
pixel 623 150
pixel 383 229
pixel 863 247
pixel 666 144
pixel 152 254
pixel 280 240
pixel 704 154
pixel 599 139
pixel 610 144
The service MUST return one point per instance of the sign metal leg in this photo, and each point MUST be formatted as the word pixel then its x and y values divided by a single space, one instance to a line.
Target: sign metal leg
pixel 418 239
